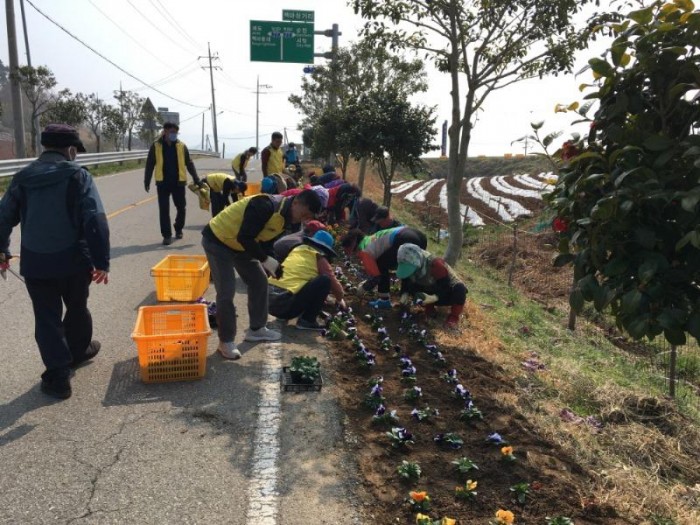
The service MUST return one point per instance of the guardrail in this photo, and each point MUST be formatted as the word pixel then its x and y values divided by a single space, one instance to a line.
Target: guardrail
pixel 12 166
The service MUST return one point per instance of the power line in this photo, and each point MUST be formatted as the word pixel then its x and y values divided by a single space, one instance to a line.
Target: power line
pixel 107 59
pixel 194 116
pixel 164 11
pixel 128 35
pixel 157 28
pixel 172 78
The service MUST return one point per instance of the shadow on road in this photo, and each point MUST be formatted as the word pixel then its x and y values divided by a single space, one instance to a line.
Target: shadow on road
pixel 118 251
pixel 18 407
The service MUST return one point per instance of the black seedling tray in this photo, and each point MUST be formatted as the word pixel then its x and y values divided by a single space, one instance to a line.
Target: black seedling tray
pixel 287 385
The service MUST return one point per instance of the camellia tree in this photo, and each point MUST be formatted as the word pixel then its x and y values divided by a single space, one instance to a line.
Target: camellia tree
pixel 627 200
pixel 483 46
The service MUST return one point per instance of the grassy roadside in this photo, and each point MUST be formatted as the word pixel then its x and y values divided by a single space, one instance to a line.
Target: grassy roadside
pixel 644 456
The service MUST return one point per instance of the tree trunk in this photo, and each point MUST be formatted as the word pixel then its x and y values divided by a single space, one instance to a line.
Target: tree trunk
pixel 99 142
pixel 363 170
pixel 33 136
pixel 129 141
pixel 387 194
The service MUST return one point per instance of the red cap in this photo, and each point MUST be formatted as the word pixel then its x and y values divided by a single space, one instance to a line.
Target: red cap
pixel 312 227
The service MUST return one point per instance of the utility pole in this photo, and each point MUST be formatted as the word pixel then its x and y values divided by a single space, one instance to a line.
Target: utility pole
pixel 29 63
pixel 257 114
pixel 213 98
pixel 203 113
pixel 17 110
pixel 333 33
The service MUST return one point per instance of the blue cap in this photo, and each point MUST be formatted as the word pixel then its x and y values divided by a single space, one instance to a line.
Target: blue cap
pixel 268 185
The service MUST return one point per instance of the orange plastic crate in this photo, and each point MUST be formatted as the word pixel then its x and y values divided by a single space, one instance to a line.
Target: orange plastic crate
pixel 253 188
pixel 172 342
pixel 181 277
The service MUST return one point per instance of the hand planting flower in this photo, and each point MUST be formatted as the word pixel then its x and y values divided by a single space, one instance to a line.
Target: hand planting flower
pixel 466 491
pixel 419 500
pixel 464 465
pixel 450 439
pixel 521 491
pixel 413 394
pixel 400 437
pixel 507 454
pixel 496 439
pixel 409 470
pixel 503 517
pixel 470 412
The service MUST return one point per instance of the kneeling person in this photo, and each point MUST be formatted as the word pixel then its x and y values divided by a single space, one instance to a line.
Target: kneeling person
pixel 224 189
pixel 429 278
pixel 307 279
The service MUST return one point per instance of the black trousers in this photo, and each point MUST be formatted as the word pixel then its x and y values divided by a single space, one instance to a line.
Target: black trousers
pixel 218 202
pixel 306 303
pixel 165 191
pixel 61 338
pixel 387 261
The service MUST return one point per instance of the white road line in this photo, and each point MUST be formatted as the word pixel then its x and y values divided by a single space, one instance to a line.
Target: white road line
pixel 262 488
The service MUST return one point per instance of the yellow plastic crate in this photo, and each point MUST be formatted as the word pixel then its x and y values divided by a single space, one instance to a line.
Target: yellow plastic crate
pixel 172 342
pixel 181 277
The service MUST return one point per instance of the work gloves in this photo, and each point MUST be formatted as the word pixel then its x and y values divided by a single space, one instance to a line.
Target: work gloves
pixel 271 267
pixel 147 186
pixel 427 298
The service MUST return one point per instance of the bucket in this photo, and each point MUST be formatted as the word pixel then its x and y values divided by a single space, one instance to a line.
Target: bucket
pixel 253 189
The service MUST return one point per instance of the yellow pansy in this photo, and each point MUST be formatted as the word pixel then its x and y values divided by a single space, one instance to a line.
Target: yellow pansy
pixel 505 516
pixel 507 451
pixel 471 485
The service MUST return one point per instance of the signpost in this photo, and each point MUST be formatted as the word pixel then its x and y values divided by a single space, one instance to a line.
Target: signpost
pixel 291 42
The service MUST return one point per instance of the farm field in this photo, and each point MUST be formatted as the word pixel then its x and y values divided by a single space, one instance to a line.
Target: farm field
pixel 485 200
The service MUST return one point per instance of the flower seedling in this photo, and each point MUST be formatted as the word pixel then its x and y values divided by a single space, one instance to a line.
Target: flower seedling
pixel 424 519
pixel 461 393
pixel 413 394
pixel 409 470
pixel 466 491
pixel 503 517
pixel 451 376
pixel 521 491
pixel 425 414
pixel 400 437
pixel 464 465
pixel 559 520
pixel 470 412
pixel 496 439
pixel 375 397
pixel 305 369
pixel 382 416
pixel 507 455
pixel 450 440
pixel 419 500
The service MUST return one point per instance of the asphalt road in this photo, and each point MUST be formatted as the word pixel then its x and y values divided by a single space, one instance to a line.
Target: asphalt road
pixel 229 448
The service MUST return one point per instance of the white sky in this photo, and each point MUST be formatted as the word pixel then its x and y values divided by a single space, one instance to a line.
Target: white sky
pixel 225 24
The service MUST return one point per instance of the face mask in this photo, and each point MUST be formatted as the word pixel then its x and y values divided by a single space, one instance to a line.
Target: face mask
pixel 172 137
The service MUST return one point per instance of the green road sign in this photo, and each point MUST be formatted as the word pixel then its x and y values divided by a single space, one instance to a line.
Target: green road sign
pixel 292 15
pixel 281 42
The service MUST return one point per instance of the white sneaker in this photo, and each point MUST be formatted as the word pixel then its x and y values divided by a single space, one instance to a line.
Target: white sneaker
pixel 229 350
pixel 262 334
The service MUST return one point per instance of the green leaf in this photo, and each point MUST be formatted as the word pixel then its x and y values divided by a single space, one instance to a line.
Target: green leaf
pixel 658 143
pixel 617 51
pixel 647 270
pixel 589 287
pixel 693 325
pixel 616 267
pixel 645 237
pixel 604 296
pixel 692 237
pixel 693 150
pixel 690 201
pixel 675 337
pixel 638 327
pixel 604 208
pixel 576 301
pixel 600 66
pixel 562 259
pixel 627 206
pixel 643 16
pixel 631 301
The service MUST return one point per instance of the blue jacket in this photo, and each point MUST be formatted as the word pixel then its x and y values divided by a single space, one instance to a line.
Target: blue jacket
pixel 63 224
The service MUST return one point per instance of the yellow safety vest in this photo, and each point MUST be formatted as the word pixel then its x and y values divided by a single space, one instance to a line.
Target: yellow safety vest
pixel 299 268
pixel 216 181
pixel 275 163
pixel 181 168
pixel 238 164
pixel 227 224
